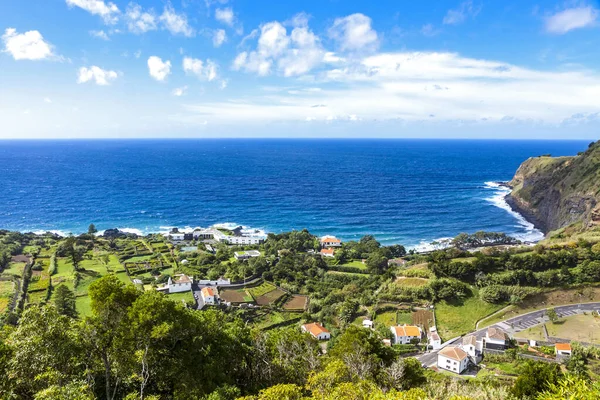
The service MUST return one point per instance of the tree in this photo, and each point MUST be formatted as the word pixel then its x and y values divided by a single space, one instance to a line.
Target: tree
pixel 92 229
pixel 376 263
pixel 571 388
pixel 64 300
pixel 552 315
pixel 535 377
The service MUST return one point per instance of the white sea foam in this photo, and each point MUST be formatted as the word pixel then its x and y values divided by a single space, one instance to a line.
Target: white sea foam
pixel 425 246
pixel 55 231
pixel 498 199
pixel 132 230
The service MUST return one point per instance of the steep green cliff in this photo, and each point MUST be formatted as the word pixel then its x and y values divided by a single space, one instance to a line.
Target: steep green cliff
pixel 558 192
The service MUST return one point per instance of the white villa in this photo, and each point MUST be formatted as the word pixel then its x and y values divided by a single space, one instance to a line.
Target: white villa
pixel 496 339
pixel 317 331
pixel 179 283
pixel 434 340
pixel 177 237
pixel 563 349
pixel 327 252
pixel 246 255
pixel 404 334
pixel 453 359
pixel 217 235
pixel 330 241
pixel 208 295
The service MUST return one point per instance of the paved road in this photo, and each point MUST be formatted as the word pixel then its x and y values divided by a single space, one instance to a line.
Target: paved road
pixel 516 324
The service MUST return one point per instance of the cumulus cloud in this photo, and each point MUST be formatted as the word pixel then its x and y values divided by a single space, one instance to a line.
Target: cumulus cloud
pixel 96 74
pixel 158 68
pixel 100 35
pixel 571 18
pixel 140 21
pixel 354 32
pixel 225 15
pixel 176 23
pixel 27 46
pixel 292 55
pixel 109 12
pixel 414 86
pixel 219 37
pixel 205 70
pixel 181 91
pixel 459 15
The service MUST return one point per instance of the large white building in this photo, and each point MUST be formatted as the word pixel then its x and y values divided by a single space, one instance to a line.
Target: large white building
pixel 330 241
pixel 405 334
pixel 246 255
pixel 217 235
pixel 179 283
pixel 209 295
pixel 496 339
pixel 453 358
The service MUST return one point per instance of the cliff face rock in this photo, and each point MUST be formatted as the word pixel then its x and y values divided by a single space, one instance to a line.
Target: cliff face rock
pixel 557 192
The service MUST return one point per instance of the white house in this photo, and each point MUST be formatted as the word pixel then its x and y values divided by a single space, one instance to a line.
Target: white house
pixel 330 241
pixel 208 295
pixel 563 349
pixel 434 340
pixel 179 283
pixel 473 347
pixel 404 334
pixel 246 255
pixel 367 323
pixel 177 237
pixel 245 240
pixel 452 358
pixel 496 339
pixel 218 282
pixel 317 331
pixel 327 253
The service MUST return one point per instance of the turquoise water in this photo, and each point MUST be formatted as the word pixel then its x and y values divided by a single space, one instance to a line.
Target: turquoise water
pixel 402 191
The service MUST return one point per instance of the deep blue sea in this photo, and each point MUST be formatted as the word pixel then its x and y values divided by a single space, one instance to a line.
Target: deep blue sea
pixel 401 191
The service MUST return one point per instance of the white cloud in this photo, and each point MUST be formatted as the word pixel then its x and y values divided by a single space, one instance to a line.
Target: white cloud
pixel 101 76
pixel 27 46
pixel 354 32
pixel 108 11
pixel 203 70
pixel 459 15
pixel 292 55
pixel 224 83
pixel 414 86
pixel 100 35
pixel 137 54
pixel 572 18
pixel 429 30
pixel 176 23
pixel 219 37
pixel 158 69
pixel 47 100
pixel 181 91
pixel 225 15
pixel 140 21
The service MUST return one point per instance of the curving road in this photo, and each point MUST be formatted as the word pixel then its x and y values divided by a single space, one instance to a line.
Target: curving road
pixel 517 324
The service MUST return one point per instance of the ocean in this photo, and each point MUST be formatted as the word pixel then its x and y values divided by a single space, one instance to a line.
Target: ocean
pixel 405 191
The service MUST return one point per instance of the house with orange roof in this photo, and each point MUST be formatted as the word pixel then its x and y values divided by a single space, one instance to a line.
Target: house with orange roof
pixel 327 252
pixel 405 334
pixel 317 331
pixel 330 241
pixel 453 359
pixel 562 349
pixel 209 295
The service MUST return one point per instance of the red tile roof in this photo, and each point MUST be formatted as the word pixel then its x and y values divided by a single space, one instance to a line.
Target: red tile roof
pixel 563 346
pixel 454 353
pixel 407 330
pixel 315 328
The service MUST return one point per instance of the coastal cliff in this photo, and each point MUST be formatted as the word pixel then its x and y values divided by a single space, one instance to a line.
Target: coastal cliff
pixel 555 192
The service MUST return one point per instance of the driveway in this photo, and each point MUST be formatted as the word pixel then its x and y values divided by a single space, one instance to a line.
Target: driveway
pixel 516 324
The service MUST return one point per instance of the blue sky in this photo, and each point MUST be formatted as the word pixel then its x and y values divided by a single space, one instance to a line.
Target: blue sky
pixel 329 68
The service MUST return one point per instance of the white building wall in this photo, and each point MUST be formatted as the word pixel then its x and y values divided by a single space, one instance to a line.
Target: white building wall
pixel 179 287
pixel 451 365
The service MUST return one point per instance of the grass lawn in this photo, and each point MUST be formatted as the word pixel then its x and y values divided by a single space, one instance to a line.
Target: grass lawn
pixel 185 296
pixel 387 318
pixel 580 328
pixel 63 268
pixel 404 318
pixel 503 368
pixel 533 333
pixel 263 288
pixel 14 268
pixel 83 306
pixel 276 318
pixel 546 300
pixel 347 273
pixel 6 288
pixel 411 282
pixel 355 264
pixel 459 317
pixel 123 277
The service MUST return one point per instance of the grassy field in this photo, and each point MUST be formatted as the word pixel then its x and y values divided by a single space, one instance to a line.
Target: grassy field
pixel 7 289
pixel 387 318
pixel 411 282
pixel 546 300
pixel 355 264
pixel 580 328
pixel 263 288
pixel 275 317
pixel 14 268
pixel 534 333
pixel 347 273
pixel 83 306
pixel 457 318
pixel 185 296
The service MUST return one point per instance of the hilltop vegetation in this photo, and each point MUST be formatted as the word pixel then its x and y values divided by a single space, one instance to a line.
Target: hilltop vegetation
pixel 560 192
